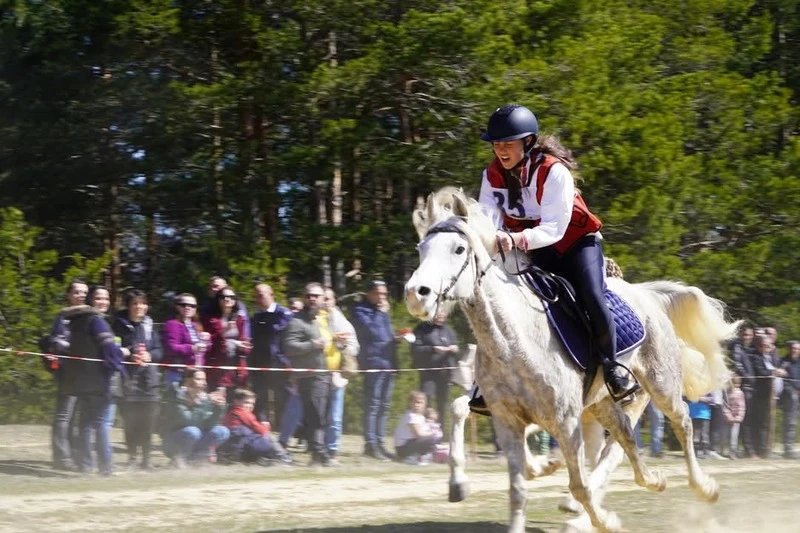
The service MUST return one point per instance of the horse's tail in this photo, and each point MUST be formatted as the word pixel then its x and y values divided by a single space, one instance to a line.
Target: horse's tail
pixel 700 324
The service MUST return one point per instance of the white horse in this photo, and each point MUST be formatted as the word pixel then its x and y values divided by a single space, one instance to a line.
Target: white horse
pixel 527 377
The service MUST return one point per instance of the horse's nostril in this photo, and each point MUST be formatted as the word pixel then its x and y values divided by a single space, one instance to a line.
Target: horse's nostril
pixel 424 291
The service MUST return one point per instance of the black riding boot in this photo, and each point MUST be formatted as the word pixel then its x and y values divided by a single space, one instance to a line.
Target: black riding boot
pixel 477 404
pixel 619 380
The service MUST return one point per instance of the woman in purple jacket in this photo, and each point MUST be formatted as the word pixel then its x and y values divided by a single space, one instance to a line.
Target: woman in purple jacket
pixel 183 338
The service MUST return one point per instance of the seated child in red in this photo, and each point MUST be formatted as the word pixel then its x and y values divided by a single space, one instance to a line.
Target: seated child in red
pixel 250 440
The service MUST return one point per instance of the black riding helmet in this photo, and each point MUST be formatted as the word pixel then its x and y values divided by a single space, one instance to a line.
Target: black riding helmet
pixel 509 123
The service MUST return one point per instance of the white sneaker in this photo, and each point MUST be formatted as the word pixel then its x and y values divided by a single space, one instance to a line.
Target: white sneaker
pixel 714 455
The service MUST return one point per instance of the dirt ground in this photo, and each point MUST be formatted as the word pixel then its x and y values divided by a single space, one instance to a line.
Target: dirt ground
pixel 363 496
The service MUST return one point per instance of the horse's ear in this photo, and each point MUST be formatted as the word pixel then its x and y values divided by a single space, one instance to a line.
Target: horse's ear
pixel 420 223
pixel 460 208
pixel 433 209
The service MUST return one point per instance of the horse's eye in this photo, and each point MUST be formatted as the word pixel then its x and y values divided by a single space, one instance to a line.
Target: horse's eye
pixel 460 250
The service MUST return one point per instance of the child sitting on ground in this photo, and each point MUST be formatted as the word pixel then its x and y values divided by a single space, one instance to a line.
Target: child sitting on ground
pixel 432 419
pixel 414 439
pixel 441 454
pixel 250 441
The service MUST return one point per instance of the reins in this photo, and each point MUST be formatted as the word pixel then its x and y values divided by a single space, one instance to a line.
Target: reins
pixel 548 279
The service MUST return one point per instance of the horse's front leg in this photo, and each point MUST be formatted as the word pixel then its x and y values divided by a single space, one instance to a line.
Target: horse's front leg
pixel 594 438
pixel 617 423
pixel 514 445
pixel 604 456
pixel 570 438
pixel 459 482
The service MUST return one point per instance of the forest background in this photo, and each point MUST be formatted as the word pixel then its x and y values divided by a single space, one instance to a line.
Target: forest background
pixel 153 143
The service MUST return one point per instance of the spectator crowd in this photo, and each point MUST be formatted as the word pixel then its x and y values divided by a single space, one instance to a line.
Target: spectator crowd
pixel 197 381
pixel 741 422
pixel 216 403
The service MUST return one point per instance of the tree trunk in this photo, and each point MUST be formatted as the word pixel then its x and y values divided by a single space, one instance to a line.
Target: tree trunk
pixel 336 180
pixel 321 190
pixel 113 275
pixel 151 240
pixel 216 154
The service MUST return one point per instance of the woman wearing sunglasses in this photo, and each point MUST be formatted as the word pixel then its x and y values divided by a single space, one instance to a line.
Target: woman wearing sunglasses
pixel 183 337
pixel 230 344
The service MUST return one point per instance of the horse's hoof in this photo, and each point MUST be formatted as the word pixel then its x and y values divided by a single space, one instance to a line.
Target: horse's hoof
pixel 712 493
pixel 582 524
pixel 570 505
pixel 708 491
pixel 458 492
pixel 660 484
pixel 613 523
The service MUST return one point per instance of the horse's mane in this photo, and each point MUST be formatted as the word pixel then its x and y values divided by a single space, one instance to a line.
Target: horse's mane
pixel 451 202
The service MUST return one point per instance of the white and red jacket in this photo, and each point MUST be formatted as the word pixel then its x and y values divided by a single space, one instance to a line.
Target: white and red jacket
pixel 550 211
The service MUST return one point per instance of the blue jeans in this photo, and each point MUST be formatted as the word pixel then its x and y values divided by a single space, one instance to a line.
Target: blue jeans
pixel 335 411
pixel 192 442
pixel 637 434
pixel 111 414
pixel 292 415
pixel 656 428
pixel 95 412
pixel 378 389
pixel 62 430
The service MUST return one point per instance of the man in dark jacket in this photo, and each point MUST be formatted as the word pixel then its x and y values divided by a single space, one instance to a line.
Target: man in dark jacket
pixel 764 372
pixel 741 361
pixel 268 324
pixel 90 381
pixel 435 346
pixel 304 344
pixel 790 399
pixel 141 382
pixel 57 343
pixel 375 334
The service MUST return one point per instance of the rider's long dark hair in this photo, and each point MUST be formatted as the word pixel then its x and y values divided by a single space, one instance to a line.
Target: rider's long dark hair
pixel 548 144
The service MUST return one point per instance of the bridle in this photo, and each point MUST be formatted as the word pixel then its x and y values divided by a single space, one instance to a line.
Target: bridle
pixel 546 277
pixel 479 273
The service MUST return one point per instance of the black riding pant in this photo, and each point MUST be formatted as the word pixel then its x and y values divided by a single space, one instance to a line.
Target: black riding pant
pixel 584 268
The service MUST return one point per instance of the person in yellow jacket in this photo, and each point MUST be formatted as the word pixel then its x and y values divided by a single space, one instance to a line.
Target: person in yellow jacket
pixel 341 337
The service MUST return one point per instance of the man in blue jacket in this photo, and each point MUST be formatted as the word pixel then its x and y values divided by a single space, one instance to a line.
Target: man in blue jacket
pixel 375 334
pixel 267 326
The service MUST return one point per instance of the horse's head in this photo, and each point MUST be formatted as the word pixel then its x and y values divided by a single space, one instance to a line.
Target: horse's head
pixel 456 237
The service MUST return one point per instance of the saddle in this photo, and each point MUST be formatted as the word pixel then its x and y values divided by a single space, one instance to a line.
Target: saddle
pixel 570 321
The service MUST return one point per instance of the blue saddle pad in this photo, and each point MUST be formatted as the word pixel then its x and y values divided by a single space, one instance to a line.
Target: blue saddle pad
pixel 576 338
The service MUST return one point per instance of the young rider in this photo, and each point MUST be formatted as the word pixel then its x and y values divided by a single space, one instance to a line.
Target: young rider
pixel 529 180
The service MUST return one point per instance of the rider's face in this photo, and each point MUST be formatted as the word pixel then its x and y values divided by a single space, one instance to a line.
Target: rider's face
pixel 509 152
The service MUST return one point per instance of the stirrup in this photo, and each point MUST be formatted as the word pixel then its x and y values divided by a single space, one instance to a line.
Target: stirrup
pixel 477 404
pixel 621 395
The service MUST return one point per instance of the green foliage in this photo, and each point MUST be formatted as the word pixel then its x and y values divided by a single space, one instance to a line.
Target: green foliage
pixel 260 267
pixel 30 298
pixel 286 141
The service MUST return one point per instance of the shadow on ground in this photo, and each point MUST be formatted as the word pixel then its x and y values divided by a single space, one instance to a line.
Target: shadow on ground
pixel 31 468
pixel 415 527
